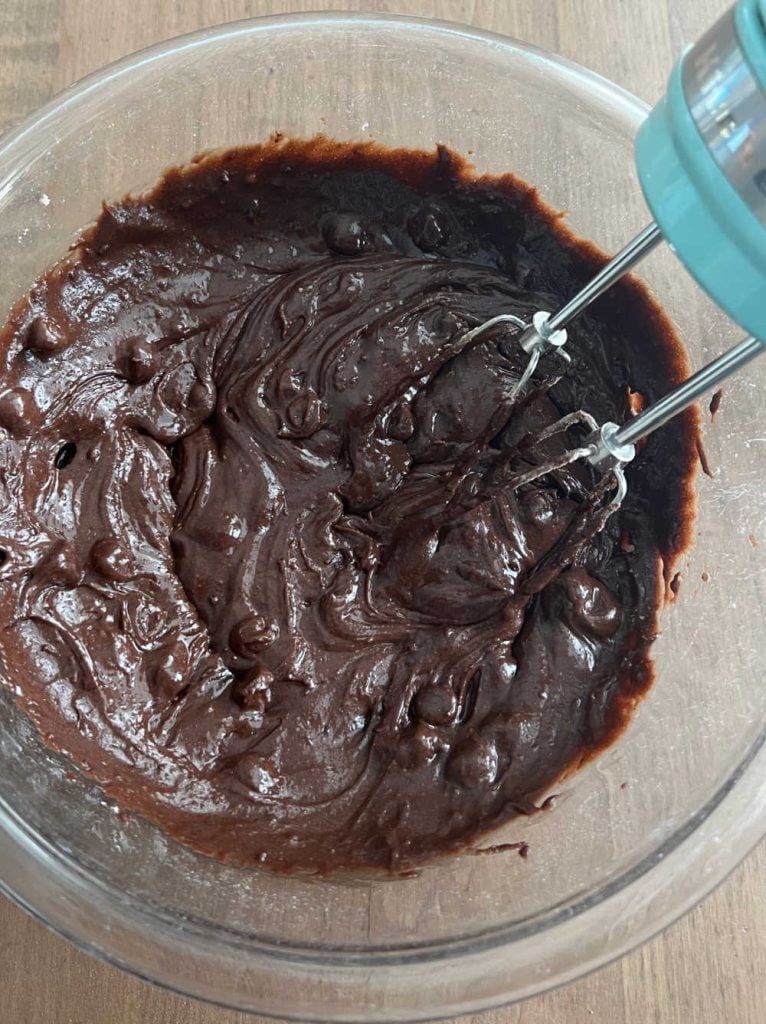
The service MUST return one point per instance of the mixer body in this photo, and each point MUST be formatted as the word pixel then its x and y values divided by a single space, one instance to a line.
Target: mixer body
pixel 701 159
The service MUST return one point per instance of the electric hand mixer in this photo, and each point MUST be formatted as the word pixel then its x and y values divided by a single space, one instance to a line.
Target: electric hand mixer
pixel 701 159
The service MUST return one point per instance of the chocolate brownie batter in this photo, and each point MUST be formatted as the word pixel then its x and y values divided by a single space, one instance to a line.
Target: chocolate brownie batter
pixel 264 572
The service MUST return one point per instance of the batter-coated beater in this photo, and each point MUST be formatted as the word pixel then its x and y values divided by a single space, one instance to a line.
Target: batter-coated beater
pixel 701 160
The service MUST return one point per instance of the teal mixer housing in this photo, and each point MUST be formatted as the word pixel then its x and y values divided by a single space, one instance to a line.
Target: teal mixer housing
pixel 701 160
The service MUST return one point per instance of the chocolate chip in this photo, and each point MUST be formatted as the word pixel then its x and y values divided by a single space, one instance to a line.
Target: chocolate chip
pixel 436 704
pixel 428 228
pixel 401 425
pixel 171 670
pixel 345 234
pixel 251 635
pixel 44 337
pixel 258 773
pixel 65 455
pixel 16 412
pixel 111 560
pixel 591 608
pixel 253 690
pixel 290 383
pixel 474 762
pixel 418 746
pixel 201 397
pixel 540 505
pixel 138 360
pixel 306 414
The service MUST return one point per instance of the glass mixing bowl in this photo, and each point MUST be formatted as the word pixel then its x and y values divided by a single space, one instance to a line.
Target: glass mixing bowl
pixel 637 837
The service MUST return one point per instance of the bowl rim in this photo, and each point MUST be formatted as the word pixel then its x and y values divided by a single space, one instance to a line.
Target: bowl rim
pixel 14 132
pixel 739 843
pixel 415 952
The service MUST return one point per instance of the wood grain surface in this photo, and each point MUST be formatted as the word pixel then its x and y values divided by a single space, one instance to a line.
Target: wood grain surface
pixel 708 968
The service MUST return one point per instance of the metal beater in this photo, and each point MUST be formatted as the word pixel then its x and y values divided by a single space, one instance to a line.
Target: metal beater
pixel 701 158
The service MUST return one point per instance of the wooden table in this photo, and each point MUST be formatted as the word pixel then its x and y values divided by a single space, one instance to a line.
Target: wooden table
pixel 708 968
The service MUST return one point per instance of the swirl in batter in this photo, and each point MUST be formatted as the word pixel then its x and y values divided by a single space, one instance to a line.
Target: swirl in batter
pixel 262 575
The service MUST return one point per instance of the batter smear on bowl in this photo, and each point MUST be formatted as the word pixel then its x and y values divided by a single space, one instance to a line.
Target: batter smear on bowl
pixel 260 575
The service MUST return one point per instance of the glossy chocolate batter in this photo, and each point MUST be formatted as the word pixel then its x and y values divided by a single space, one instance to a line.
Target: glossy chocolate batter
pixel 263 574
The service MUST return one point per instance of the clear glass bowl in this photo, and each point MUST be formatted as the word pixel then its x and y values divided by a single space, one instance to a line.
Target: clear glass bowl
pixel 636 838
